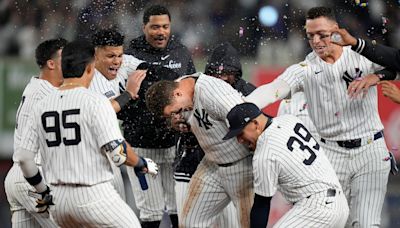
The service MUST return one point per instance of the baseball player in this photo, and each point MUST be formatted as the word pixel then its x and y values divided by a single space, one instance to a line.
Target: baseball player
pixel 225 172
pixel 148 134
pixel 74 129
pixel 350 129
pixel 48 58
pixel 288 158
pixel 223 63
pixel 108 60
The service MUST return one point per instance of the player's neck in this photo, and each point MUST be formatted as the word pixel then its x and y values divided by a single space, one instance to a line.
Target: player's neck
pixel 333 55
pixel 188 85
pixel 72 83
pixel 53 78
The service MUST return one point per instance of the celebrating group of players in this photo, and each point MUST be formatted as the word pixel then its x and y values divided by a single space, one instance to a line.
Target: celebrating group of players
pixel 214 158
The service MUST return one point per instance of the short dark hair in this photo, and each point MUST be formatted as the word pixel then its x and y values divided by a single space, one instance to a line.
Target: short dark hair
pixel 47 50
pixel 75 58
pixel 160 95
pixel 108 37
pixel 321 11
pixel 155 10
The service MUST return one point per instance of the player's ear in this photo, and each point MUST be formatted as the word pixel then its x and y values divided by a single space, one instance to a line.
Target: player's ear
pixel 257 124
pixel 90 67
pixel 177 93
pixel 51 64
pixel 143 27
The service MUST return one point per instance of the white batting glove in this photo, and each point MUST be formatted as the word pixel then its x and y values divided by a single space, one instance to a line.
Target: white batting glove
pixel 152 167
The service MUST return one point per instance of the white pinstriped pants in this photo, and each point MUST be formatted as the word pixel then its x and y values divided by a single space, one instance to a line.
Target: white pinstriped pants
pixel 22 206
pixel 318 210
pixel 117 181
pixel 160 194
pixel 212 188
pixel 227 218
pixel 363 173
pixel 91 206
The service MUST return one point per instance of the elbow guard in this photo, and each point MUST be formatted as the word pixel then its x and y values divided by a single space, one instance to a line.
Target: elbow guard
pixel 117 151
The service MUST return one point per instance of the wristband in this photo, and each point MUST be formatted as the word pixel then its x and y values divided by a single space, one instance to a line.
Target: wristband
pixel 35 179
pixel 123 99
pixel 141 163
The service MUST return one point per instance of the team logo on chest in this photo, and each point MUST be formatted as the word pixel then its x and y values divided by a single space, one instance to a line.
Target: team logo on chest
pixel 348 78
pixel 202 119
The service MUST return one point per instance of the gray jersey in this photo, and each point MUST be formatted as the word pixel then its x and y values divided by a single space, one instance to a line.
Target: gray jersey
pixel 213 99
pixel 70 127
pixel 279 163
pixel 334 113
pixel 35 91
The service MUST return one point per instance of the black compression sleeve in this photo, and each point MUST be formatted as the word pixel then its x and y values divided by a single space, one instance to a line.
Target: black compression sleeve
pixel 378 53
pixel 260 211
pixel 386 74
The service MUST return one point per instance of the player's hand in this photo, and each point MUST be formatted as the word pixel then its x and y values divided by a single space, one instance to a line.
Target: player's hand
pixel 134 82
pixel 390 90
pixel 179 124
pixel 43 200
pixel 346 38
pixel 361 85
pixel 146 166
pixel 151 167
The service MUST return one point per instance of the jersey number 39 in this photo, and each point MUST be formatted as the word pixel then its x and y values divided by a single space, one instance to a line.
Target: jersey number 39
pixel 66 125
pixel 303 138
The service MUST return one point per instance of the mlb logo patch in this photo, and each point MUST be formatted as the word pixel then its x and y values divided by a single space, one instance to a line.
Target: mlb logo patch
pixel 109 94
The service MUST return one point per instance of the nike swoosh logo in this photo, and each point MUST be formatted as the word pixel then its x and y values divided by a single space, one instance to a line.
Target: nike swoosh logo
pixel 328 202
pixel 317 72
pixel 164 57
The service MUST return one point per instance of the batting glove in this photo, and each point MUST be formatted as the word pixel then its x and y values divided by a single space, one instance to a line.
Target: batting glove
pixel 43 199
pixel 146 165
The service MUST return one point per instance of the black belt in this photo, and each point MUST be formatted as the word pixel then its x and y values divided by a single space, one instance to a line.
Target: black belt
pixel 331 192
pixel 232 163
pixel 354 143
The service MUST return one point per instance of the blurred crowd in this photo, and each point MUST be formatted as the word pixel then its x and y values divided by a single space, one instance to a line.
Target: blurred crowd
pixel 200 24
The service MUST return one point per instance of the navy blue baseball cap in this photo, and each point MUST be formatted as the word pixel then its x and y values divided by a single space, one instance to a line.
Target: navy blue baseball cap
pixel 239 116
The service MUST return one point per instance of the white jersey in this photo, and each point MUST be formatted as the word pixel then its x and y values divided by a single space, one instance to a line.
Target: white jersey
pixel 35 91
pixel 100 84
pixel 213 99
pixel 70 127
pixel 129 65
pixel 279 163
pixel 334 113
pixel 298 106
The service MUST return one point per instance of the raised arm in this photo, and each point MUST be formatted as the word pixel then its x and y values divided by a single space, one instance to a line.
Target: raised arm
pixel 269 93
pixel 377 53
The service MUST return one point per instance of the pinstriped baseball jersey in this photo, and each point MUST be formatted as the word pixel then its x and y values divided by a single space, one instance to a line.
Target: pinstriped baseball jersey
pixel 100 84
pixel 279 163
pixel 35 91
pixel 110 89
pixel 298 106
pixel 70 127
pixel 23 207
pixel 213 99
pixel 334 113
pixel 129 65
